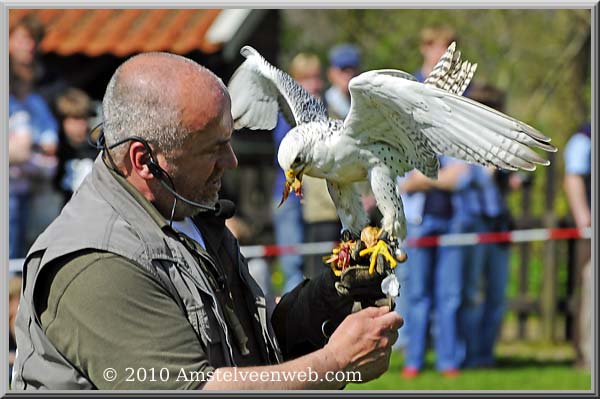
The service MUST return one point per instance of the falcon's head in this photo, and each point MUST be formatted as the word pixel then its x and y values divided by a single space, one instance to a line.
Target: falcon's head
pixel 293 160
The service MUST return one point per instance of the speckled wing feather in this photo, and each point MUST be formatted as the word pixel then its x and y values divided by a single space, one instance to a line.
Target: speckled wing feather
pixel 420 121
pixel 259 91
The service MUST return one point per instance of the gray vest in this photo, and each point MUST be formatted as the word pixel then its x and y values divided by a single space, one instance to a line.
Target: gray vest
pixel 121 226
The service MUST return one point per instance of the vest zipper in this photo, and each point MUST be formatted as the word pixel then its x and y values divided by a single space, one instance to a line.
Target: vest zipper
pixel 270 345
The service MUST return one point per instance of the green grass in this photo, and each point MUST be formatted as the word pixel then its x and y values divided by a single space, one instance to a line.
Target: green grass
pixel 521 366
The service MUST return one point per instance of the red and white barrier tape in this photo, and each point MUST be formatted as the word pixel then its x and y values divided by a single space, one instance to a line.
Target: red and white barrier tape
pixel 322 248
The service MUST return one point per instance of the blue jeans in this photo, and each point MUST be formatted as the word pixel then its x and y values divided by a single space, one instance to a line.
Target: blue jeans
pixel 485 280
pixel 434 283
pixel 289 230
pixel 402 300
pixel 18 212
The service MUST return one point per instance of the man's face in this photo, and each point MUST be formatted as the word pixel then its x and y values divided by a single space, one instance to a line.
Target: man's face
pixel 75 129
pixel 312 82
pixel 340 77
pixel 197 168
pixel 432 50
pixel 21 46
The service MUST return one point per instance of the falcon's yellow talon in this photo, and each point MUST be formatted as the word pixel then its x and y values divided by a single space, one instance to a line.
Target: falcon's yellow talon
pixel 379 248
pixel 372 265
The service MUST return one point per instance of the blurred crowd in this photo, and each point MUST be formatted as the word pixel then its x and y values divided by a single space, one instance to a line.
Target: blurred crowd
pixel 49 154
pixel 454 297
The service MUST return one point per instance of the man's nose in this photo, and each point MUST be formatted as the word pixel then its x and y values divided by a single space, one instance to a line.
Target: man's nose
pixel 229 160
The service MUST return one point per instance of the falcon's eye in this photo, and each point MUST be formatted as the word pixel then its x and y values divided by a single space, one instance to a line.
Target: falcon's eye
pixel 298 160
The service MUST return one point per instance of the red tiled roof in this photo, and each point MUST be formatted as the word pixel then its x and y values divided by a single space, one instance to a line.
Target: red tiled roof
pixel 122 32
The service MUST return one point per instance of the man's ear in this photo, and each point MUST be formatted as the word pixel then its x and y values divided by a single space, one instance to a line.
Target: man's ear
pixel 139 158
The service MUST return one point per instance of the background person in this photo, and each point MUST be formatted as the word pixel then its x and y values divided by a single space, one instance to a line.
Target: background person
pixel 344 64
pixel 486 267
pixel 434 275
pixel 288 222
pixel 20 139
pixel 433 43
pixel 321 223
pixel 37 203
pixel 75 155
pixel 578 187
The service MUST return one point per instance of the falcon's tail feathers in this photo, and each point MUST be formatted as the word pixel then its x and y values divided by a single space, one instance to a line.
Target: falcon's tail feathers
pixel 450 73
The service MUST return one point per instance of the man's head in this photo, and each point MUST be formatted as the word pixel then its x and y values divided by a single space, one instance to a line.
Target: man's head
pixel 305 68
pixel 74 107
pixel 184 112
pixel 344 64
pixel 434 42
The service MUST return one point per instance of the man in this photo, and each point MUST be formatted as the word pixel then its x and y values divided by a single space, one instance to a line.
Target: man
pixel 344 64
pixel 485 266
pixel 288 224
pixel 578 187
pixel 432 276
pixel 317 213
pixel 435 40
pixel 116 298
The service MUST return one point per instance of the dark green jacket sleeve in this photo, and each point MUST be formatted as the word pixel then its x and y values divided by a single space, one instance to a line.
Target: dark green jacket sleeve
pixel 299 316
pixel 104 313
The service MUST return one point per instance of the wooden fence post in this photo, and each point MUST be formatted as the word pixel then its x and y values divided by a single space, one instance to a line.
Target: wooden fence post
pixel 549 289
pixel 524 222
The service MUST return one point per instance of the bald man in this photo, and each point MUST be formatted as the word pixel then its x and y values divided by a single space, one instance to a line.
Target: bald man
pixel 130 288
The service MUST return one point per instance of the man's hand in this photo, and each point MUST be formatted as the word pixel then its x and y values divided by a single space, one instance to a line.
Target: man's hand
pixel 363 341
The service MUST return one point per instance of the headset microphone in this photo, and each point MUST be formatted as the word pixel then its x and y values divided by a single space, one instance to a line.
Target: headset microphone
pixel 223 208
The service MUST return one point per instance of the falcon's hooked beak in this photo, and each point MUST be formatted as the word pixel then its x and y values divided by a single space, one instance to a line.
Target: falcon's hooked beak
pixel 293 181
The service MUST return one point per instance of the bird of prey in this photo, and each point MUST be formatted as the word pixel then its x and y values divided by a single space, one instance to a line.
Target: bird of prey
pixel 395 124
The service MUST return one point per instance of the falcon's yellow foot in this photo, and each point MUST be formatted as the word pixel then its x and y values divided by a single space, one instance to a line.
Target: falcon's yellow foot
pixel 380 248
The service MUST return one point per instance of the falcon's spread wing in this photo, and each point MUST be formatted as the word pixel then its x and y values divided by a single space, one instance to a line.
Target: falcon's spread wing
pixel 259 91
pixel 421 121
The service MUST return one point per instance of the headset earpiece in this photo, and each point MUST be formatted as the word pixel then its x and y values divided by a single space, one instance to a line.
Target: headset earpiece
pixel 154 169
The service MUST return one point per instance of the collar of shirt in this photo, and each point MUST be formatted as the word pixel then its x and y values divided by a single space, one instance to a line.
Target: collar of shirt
pixel 187 227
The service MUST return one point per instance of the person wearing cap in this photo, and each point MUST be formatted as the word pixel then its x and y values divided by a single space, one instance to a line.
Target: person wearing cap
pixel 344 64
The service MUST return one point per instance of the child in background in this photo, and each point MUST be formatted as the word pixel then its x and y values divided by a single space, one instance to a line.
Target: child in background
pixel 75 155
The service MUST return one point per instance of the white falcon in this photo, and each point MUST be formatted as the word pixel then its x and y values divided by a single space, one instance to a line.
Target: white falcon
pixel 395 124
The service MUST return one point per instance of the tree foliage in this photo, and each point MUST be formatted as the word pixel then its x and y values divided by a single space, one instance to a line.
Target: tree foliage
pixel 541 58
